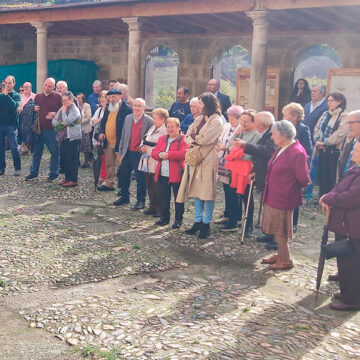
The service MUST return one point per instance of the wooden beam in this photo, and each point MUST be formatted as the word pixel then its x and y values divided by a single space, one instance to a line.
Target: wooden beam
pixel 112 11
pixel 301 4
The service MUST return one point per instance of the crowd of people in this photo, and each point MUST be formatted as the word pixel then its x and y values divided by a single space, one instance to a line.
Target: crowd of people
pixel 193 146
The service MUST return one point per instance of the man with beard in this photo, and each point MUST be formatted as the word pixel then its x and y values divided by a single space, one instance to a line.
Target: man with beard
pixel 111 127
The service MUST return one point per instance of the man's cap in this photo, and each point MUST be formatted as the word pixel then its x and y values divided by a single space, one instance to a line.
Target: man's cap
pixel 114 92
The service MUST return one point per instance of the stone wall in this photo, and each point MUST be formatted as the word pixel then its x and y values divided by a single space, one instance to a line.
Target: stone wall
pixel 195 53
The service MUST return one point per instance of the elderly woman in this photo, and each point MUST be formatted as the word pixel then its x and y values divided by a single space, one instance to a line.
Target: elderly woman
pixel 344 201
pixel 234 112
pixel 329 135
pixel 287 175
pixel 199 181
pixel 295 113
pixel 189 118
pixel 86 128
pixel 69 117
pixel 170 153
pixel 148 164
pixel 246 133
pixel 95 123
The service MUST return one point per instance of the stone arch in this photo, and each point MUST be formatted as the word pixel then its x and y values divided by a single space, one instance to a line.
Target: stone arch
pixel 224 67
pixel 161 76
pixel 313 62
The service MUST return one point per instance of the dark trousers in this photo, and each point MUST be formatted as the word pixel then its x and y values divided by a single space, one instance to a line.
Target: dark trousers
pixel 9 132
pixel 327 171
pixel 234 206
pixel 296 216
pixel 227 194
pixel 154 191
pixel 70 157
pixel 244 198
pixel 236 202
pixel 62 164
pixel 166 197
pixel 349 270
pixel 130 163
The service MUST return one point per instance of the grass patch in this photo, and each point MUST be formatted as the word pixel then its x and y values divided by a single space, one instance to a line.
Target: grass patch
pixel 302 328
pixel 2 283
pixel 88 351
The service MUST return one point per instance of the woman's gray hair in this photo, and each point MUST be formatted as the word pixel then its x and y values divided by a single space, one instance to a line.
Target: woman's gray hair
pixel 194 99
pixel 285 128
pixel 235 110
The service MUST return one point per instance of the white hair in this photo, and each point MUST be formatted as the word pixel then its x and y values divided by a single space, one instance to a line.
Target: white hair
pixel 355 113
pixel 194 99
pixel 141 100
pixel 63 83
pixel 97 82
pixel 286 129
pixel 266 118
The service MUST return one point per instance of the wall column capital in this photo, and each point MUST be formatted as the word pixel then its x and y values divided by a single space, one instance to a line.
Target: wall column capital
pixel 134 23
pixel 41 27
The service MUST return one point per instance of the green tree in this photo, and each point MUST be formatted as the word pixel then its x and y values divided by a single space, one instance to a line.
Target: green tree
pixel 165 97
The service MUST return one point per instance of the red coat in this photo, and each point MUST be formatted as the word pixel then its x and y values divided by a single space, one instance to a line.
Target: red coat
pixel 286 177
pixel 176 154
pixel 240 169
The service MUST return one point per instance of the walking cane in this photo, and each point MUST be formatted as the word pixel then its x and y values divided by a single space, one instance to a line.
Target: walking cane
pixel 246 212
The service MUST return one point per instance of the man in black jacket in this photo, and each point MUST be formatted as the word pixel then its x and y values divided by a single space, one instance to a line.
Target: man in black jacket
pixel 110 131
pixel 213 86
pixel 262 152
pixel 9 104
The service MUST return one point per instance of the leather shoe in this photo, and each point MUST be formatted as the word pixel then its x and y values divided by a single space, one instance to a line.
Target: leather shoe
pixel 149 212
pixel 271 246
pixel 176 224
pixel 156 215
pixel 121 201
pixel 334 277
pixel 271 260
pixel 105 188
pixel 70 184
pixel 265 238
pixel 162 222
pixel 281 265
pixel 344 307
pixel 337 295
pixel 294 228
pixel 63 182
pixel 139 205
pixel 222 220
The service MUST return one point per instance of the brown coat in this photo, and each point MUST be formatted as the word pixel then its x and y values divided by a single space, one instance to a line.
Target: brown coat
pixel 200 181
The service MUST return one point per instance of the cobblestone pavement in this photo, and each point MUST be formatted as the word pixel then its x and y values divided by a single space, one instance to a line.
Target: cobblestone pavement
pixel 86 279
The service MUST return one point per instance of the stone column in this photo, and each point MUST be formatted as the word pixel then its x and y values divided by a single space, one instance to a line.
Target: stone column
pixel 258 60
pixel 41 53
pixel 134 56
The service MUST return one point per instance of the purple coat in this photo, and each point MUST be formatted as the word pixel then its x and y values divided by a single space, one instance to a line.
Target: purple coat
pixel 286 176
pixel 344 200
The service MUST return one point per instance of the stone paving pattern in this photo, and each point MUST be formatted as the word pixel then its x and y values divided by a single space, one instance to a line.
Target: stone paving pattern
pixel 109 284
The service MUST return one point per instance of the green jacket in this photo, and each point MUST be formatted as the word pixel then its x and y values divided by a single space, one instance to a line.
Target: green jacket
pixel 9 105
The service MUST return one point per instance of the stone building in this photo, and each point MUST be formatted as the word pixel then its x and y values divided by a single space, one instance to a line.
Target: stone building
pixel 118 35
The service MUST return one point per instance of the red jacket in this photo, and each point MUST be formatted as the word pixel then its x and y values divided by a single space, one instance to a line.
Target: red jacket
pixel 176 154
pixel 286 177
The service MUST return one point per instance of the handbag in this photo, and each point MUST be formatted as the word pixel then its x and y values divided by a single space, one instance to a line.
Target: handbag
pixel 37 128
pixel 338 248
pixel 193 156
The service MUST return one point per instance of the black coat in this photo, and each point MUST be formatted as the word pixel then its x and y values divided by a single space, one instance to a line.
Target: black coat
pixel 304 137
pixel 224 102
pixel 124 110
pixel 262 152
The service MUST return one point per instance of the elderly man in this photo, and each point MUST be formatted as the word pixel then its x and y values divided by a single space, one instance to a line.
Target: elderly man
pixel 111 128
pixel 213 86
pixel 135 127
pixel 316 107
pixel 93 98
pixel 181 107
pixel 262 152
pixel 47 105
pixel 9 103
pixel 111 84
pixel 124 93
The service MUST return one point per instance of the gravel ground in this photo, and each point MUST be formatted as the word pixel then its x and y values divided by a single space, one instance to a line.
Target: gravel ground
pixel 85 279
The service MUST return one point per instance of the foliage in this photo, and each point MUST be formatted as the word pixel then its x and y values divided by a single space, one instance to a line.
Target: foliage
pixel 165 97
pixel 96 353
pixel 226 87
pixel 316 80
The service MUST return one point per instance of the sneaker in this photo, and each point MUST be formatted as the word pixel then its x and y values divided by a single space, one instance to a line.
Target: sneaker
pixel 31 177
pixel 51 178
pixel 17 172
pixel 222 220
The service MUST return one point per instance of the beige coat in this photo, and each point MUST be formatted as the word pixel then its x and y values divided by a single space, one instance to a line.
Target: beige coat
pixel 153 135
pixel 200 181
pixel 85 118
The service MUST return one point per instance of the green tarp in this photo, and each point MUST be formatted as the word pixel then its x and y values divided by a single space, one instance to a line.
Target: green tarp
pixel 79 74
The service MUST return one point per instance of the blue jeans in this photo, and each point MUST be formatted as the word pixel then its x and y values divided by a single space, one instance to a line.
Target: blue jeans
pixel 48 138
pixel 199 209
pixel 9 132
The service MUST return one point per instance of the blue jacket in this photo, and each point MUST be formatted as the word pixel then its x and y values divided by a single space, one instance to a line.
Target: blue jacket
pixel 311 119
pixel 304 137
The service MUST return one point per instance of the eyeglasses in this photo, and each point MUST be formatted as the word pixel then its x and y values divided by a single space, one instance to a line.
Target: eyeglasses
pixel 353 122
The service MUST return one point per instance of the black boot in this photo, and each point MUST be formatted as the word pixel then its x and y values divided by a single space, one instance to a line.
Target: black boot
pixel 195 228
pixel 204 231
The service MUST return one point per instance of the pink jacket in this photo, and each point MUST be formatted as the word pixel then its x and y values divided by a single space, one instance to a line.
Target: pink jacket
pixel 286 177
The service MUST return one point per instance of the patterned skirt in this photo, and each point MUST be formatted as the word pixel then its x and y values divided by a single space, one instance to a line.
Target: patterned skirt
pixel 277 222
pixel 85 145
